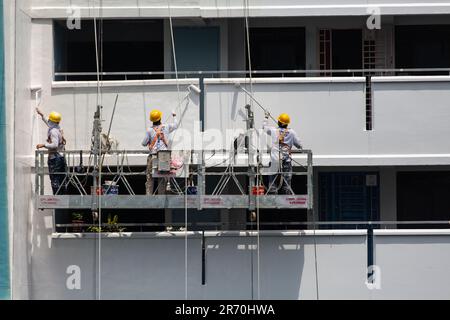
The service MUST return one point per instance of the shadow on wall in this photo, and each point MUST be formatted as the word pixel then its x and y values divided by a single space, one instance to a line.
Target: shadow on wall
pixel 281 264
pixel 282 273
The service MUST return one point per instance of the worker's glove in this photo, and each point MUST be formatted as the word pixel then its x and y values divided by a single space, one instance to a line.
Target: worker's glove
pixel 266 115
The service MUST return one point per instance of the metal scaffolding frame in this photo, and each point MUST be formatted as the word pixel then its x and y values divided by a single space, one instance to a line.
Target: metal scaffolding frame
pixel 196 165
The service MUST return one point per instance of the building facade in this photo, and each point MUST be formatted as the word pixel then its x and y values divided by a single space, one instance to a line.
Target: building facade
pixel 367 88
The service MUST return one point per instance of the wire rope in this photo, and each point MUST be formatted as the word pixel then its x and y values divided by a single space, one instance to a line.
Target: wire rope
pixel 179 106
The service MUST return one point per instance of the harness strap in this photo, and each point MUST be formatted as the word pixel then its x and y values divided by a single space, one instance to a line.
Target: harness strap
pixel 281 136
pixel 159 135
pixel 63 140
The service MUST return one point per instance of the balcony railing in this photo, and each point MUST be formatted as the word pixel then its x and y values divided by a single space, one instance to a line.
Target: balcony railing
pixel 67 76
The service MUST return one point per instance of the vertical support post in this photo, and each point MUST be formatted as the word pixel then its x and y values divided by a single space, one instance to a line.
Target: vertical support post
pixel 203 258
pixel 96 132
pixel 251 156
pixel 369 104
pixel 36 174
pixel 370 253
pixel 202 103
pixel 310 181
pixel 201 179
pixel 201 172
pixel 42 173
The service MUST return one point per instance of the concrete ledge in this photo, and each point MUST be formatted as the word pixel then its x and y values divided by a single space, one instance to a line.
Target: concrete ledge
pixel 265 233
pixel 123 83
pixel 189 81
pixel 243 81
pixel 208 234
pixel 53 9
pixel 411 79
pixel 304 80
pixel 412 232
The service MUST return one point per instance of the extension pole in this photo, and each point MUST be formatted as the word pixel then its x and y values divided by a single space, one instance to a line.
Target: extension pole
pixel 256 101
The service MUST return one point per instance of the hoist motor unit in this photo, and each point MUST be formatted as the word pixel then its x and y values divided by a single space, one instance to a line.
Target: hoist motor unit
pixel 164 158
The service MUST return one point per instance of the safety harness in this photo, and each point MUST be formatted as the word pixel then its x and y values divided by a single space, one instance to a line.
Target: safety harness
pixel 63 140
pixel 159 136
pixel 283 147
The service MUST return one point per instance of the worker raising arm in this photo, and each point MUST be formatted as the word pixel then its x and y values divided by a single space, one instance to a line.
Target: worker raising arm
pixel 57 165
pixel 283 139
pixel 156 139
pixel 157 136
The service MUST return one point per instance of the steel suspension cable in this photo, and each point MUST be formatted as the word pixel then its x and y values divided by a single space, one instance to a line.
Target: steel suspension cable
pixel 249 61
pixel 99 67
pixel 174 54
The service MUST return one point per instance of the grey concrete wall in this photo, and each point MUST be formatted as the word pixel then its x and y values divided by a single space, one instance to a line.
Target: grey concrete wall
pixel 152 266
pixel 412 266
pixel 400 122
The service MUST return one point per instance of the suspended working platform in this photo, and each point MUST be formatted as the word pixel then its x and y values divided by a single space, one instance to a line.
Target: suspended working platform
pixel 174 202
pixel 196 172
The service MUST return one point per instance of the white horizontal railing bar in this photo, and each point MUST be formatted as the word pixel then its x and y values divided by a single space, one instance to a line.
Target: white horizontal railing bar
pixel 242 234
pixel 294 71
pixel 209 234
pixel 322 223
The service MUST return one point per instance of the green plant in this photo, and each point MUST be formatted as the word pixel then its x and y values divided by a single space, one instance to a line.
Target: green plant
pixel 112 225
pixel 77 216
pixel 94 229
pixel 77 221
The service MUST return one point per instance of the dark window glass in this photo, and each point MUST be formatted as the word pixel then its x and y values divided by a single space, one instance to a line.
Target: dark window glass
pixel 277 49
pixel 348 196
pixel 124 46
pixel 423 196
pixel 423 46
pixel 346 50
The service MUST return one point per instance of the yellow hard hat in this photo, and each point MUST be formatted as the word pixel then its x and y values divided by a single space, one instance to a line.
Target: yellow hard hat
pixel 155 115
pixel 284 118
pixel 54 117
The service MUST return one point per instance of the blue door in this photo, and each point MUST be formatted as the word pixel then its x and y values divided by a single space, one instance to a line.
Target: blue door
pixel 197 48
pixel 349 196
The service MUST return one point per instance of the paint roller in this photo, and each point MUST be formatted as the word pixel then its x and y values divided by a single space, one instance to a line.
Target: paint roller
pixel 194 88
pixel 238 86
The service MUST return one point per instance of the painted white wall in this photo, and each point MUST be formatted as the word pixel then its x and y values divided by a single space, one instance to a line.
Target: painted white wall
pixel 411 116
pixel 234 8
pixel 19 115
pixel 78 104
pixel 9 38
pixel 152 266
pixel 412 267
pixel 328 114
pixel 319 110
